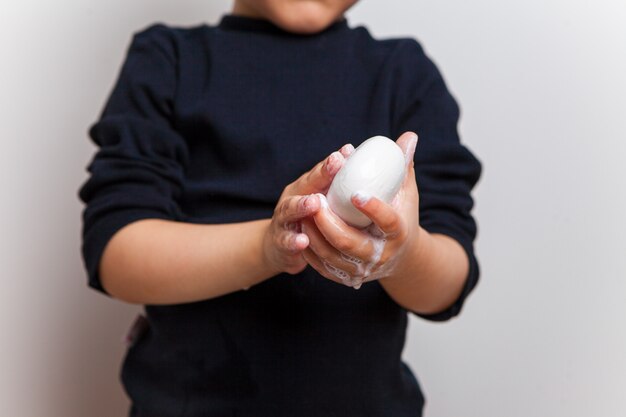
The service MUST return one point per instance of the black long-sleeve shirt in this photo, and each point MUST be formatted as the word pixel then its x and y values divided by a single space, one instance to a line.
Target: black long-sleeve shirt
pixel 208 125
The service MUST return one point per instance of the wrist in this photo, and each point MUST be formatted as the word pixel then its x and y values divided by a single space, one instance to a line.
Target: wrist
pixel 261 265
pixel 415 257
pixel 421 249
pixel 269 267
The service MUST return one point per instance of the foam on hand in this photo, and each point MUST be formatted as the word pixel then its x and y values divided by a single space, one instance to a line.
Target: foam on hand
pixel 377 168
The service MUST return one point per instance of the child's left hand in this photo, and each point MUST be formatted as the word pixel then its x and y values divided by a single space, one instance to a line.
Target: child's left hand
pixel 352 256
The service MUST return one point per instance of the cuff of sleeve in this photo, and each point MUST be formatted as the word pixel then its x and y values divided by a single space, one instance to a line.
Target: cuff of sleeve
pixel 97 235
pixel 470 282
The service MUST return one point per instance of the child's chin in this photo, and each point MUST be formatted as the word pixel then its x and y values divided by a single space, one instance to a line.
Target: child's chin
pixel 304 26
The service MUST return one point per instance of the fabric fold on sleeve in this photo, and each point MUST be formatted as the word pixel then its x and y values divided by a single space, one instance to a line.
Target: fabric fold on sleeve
pixel 446 171
pixel 139 167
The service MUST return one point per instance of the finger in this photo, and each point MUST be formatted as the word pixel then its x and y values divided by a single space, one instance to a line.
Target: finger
pixel 347 150
pixel 382 214
pixel 409 178
pixel 292 243
pixel 324 269
pixel 327 253
pixel 320 177
pixel 295 208
pixel 343 237
pixel 407 142
pixel 317 242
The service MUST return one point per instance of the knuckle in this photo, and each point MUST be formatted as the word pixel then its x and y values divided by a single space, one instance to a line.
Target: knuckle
pixel 310 176
pixel 284 207
pixel 319 170
pixel 288 241
pixel 277 241
pixel 300 207
pixel 289 189
pixel 284 241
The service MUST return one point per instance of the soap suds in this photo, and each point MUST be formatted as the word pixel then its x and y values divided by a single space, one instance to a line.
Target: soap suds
pixel 365 270
pixel 339 273
pixel 351 259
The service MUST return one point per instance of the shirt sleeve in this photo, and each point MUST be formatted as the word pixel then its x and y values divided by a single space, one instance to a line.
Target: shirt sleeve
pixel 138 169
pixel 446 171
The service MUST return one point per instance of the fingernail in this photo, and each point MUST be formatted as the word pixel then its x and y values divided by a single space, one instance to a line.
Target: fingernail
pixel 347 149
pixel 301 240
pixel 361 197
pixel 410 149
pixel 332 164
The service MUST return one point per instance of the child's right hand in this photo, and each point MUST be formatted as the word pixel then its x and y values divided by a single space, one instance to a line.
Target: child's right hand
pixel 284 242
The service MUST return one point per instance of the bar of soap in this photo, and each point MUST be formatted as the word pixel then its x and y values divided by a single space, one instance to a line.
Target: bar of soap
pixel 376 167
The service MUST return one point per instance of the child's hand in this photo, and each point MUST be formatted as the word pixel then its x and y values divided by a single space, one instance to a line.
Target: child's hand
pixel 284 241
pixel 351 256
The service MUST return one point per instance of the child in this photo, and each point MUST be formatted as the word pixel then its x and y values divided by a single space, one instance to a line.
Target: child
pixel 202 205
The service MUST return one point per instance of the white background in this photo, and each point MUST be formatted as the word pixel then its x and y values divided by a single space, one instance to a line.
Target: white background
pixel 542 85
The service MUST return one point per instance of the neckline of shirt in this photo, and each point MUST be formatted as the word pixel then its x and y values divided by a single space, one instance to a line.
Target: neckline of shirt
pixel 252 24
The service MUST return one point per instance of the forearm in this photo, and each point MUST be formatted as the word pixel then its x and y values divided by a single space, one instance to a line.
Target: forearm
pixel 165 262
pixel 432 277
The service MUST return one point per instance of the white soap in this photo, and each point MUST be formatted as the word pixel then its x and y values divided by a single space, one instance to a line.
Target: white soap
pixel 377 168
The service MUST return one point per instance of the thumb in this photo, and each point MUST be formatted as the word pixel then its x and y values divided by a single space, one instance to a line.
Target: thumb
pixel 407 142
